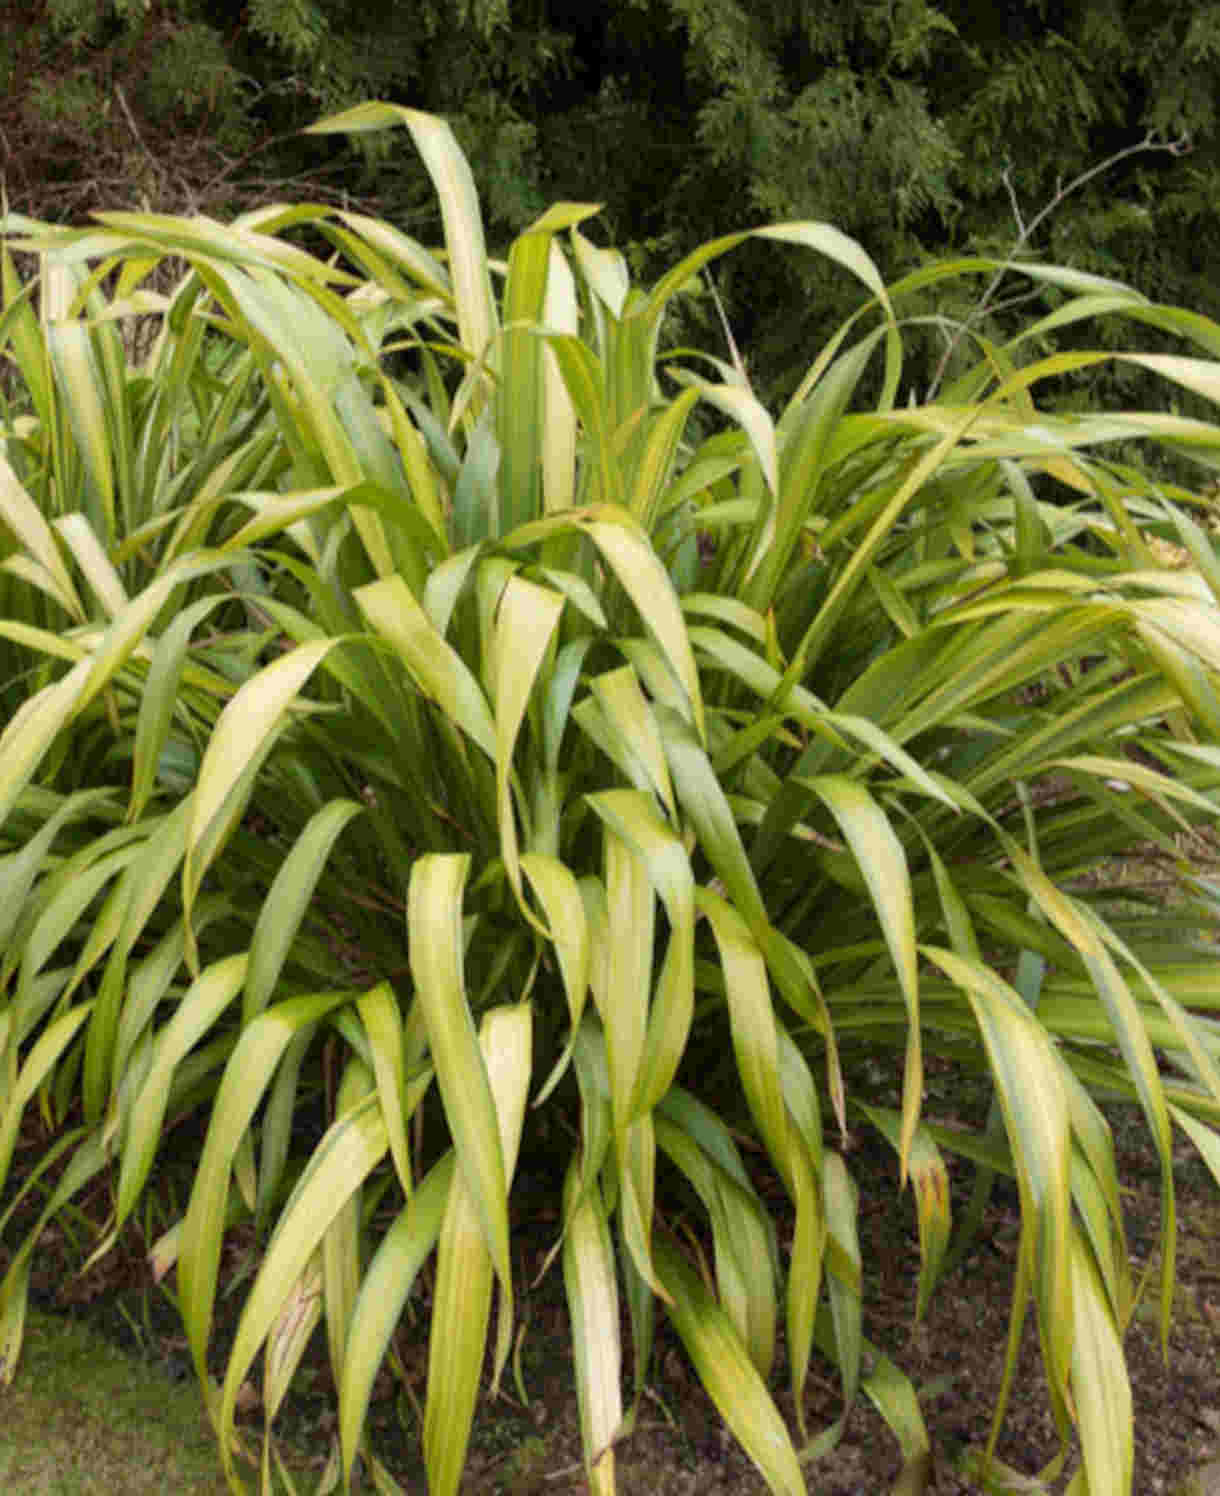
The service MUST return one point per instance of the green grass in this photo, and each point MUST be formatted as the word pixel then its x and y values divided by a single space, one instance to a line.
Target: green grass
pixel 85 1418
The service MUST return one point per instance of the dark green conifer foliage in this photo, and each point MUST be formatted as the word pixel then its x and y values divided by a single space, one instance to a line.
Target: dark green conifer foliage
pixel 919 128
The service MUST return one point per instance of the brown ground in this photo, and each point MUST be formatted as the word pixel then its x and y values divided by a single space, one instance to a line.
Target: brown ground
pixel 956 1355
pixel 680 1447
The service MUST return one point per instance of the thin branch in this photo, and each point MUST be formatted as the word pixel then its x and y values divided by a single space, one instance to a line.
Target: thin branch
pixel 235 164
pixel 1006 178
pixel 1026 231
pixel 728 332
pixel 134 128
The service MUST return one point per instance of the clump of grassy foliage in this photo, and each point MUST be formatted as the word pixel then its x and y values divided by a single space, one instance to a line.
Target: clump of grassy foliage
pixel 413 696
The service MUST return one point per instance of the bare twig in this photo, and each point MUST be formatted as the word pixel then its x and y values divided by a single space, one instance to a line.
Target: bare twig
pixel 133 127
pixel 728 332
pixel 236 163
pixel 1006 178
pixel 1026 231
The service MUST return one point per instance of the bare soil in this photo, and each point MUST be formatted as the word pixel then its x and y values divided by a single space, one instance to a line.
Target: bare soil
pixel 680 1447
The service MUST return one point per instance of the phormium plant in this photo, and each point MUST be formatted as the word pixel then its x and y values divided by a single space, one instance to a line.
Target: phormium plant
pixel 412 663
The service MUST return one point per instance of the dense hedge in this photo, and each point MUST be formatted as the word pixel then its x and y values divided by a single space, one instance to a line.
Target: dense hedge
pixel 918 128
